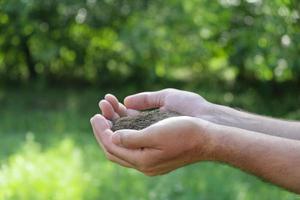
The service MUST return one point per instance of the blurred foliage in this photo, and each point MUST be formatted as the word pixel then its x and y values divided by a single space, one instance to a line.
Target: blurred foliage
pixel 48 151
pixel 28 168
pixel 146 41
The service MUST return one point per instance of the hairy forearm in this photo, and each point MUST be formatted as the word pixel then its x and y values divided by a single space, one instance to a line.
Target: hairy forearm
pixel 230 117
pixel 271 158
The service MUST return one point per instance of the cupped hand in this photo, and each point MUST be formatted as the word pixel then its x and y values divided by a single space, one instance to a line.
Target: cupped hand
pixel 158 149
pixel 112 109
pixel 182 102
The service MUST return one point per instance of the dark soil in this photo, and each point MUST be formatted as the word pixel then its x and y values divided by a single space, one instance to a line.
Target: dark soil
pixel 142 120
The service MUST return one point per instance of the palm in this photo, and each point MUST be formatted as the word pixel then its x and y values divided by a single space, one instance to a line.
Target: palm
pixel 182 102
pixel 185 103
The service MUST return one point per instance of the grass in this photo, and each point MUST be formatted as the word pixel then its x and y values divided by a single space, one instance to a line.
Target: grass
pixel 47 151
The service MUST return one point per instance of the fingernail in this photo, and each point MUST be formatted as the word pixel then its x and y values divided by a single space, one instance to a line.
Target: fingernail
pixel 126 100
pixel 101 102
pixel 92 119
pixel 107 95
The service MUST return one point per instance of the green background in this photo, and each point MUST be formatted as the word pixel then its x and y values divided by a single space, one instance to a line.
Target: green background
pixel 58 58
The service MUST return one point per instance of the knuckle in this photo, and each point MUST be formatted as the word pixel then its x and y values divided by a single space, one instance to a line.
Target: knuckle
pixel 146 99
pixel 163 173
pixel 146 161
pixel 146 167
pixel 143 166
pixel 169 90
pixel 150 174
pixel 155 172
pixel 108 148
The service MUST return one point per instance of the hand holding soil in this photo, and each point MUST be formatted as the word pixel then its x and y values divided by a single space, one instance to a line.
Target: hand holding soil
pixel 169 102
pixel 155 142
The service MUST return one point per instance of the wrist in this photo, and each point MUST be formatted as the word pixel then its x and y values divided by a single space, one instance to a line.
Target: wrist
pixel 222 115
pixel 209 112
pixel 207 140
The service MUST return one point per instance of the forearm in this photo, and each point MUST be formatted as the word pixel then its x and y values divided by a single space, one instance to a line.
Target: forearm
pixel 274 159
pixel 230 117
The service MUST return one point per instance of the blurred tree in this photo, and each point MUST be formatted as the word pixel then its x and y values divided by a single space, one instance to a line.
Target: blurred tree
pixel 144 41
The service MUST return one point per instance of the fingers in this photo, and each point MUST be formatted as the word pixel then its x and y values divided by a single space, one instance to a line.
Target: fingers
pixel 133 139
pixel 104 137
pixel 122 110
pixel 108 110
pixel 119 108
pixel 113 101
pixel 101 127
pixel 117 160
pixel 140 159
pixel 145 100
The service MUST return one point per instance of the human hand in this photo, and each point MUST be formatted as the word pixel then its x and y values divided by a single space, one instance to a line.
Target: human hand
pixel 182 102
pixel 188 141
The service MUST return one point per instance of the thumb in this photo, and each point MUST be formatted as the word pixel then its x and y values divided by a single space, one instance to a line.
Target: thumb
pixel 145 100
pixel 132 139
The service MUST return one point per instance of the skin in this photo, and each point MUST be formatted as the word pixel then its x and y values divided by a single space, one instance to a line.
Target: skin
pixel 192 139
pixel 191 104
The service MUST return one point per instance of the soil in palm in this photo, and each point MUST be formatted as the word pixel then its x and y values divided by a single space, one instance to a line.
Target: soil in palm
pixel 142 120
